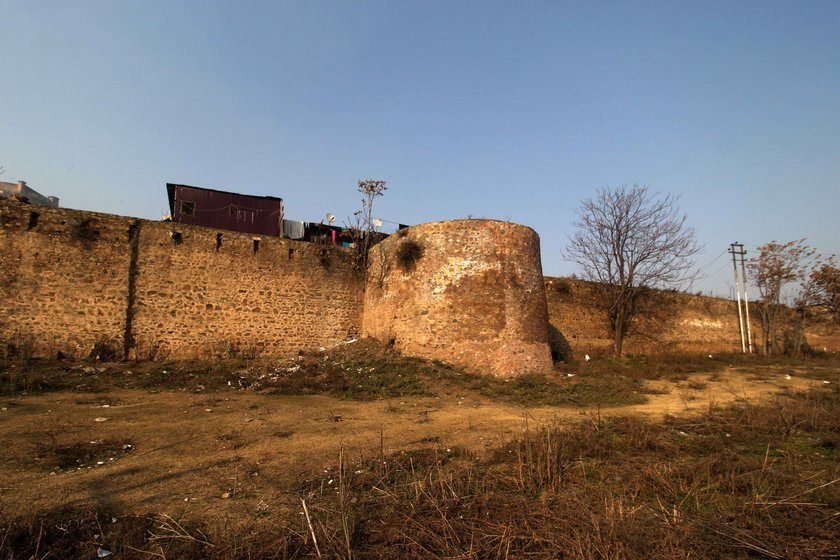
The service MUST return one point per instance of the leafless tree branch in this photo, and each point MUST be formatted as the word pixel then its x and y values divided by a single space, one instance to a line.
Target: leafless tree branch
pixel 629 240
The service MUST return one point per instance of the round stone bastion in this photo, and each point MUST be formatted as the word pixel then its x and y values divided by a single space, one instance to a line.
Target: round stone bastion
pixel 466 292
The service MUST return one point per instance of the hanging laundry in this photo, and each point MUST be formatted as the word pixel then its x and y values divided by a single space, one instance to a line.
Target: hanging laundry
pixel 293 229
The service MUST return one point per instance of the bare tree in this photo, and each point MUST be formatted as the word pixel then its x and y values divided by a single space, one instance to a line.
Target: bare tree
pixel 364 227
pixel 827 281
pixel 628 241
pixel 777 266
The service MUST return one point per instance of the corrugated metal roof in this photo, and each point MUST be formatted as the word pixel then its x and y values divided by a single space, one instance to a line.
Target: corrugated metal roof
pixel 213 208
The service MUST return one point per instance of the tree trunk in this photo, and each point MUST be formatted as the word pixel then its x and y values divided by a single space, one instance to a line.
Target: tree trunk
pixel 799 333
pixel 618 333
pixel 766 329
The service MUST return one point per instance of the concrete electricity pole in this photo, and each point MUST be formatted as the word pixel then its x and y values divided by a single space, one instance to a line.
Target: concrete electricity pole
pixel 746 296
pixel 738 296
pixel 738 249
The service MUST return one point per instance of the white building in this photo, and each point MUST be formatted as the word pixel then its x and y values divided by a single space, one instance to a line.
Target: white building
pixel 34 197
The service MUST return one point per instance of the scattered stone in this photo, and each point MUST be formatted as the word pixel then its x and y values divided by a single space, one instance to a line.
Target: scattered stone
pixel 226 496
pixel 101 419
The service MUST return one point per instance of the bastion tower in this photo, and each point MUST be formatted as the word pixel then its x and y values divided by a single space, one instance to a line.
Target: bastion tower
pixel 466 292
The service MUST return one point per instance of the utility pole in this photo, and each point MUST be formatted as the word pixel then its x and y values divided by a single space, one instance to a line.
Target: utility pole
pixel 738 296
pixel 746 295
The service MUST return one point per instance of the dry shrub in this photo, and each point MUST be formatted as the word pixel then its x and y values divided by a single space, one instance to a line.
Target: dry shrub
pixel 105 349
pixel 728 485
pixel 20 347
pixel 150 351
pixel 408 253
pixel 236 349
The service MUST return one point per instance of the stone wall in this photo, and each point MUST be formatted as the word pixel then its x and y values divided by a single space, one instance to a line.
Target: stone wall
pixel 72 278
pixel 467 292
pixel 220 291
pixel 668 322
pixel 63 277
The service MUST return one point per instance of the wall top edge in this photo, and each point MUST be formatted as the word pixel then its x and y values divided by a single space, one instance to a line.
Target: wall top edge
pixel 18 207
pixel 471 223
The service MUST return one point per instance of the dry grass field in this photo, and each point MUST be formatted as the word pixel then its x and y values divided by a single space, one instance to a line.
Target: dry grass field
pixel 360 453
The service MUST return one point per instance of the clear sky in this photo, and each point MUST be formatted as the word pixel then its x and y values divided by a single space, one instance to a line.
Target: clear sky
pixel 508 110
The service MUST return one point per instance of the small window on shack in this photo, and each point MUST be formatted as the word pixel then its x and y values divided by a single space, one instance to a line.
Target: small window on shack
pixel 187 208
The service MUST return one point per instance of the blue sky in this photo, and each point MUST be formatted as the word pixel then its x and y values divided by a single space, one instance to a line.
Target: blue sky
pixel 508 110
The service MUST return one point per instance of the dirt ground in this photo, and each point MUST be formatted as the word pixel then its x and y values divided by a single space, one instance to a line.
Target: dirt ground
pixel 232 453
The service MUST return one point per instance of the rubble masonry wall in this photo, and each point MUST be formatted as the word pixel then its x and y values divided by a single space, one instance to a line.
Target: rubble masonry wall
pixel 668 322
pixel 474 295
pixel 70 278
pixel 466 292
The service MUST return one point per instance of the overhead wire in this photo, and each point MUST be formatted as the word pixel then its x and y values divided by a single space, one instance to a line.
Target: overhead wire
pixel 719 269
pixel 710 263
pixel 701 271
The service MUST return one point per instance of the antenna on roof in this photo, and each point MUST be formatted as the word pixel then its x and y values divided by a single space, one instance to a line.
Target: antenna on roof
pixel 330 217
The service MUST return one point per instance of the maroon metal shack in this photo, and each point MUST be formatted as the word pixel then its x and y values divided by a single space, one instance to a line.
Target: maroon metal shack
pixel 261 215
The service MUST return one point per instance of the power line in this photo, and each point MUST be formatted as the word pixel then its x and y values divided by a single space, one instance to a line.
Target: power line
pixel 711 262
pixel 724 265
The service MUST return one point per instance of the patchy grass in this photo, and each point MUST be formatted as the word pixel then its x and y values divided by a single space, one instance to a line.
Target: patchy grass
pixel 368 370
pixel 683 366
pixel 742 482
pixel 39 375
pixel 363 371
pixel 550 390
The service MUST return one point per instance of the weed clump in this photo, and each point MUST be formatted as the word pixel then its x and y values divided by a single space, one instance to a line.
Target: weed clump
pixel 408 253
pixel 105 349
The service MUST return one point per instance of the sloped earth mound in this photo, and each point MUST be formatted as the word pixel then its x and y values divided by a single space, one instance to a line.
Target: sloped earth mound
pixel 360 370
